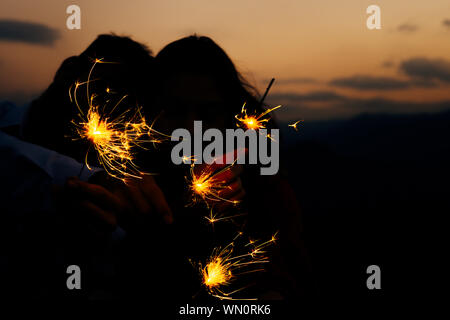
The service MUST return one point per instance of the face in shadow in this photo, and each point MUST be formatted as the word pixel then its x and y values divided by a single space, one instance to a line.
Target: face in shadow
pixel 188 97
pixel 198 81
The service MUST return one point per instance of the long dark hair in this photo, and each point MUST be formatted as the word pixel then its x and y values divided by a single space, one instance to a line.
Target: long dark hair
pixel 271 204
pixel 201 55
pixel 48 120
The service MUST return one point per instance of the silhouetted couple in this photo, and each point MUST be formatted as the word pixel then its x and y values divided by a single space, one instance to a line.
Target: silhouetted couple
pixel 139 240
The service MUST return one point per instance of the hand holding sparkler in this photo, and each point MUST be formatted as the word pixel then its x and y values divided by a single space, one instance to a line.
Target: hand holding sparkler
pixel 255 121
pixel 217 184
pixel 117 204
pixel 112 131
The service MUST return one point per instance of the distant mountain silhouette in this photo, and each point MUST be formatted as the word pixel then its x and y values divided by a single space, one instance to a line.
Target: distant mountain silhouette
pixel 370 188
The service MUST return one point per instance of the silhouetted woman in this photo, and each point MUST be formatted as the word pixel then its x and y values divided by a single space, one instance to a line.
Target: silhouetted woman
pixel 198 81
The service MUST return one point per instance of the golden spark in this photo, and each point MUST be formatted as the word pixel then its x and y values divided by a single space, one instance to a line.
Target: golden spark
pixel 188 160
pixel 254 121
pixel 206 185
pixel 294 125
pixel 223 268
pixel 215 217
pixel 114 137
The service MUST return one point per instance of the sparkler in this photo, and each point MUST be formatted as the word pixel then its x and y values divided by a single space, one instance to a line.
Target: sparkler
pixel 187 160
pixel 114 137
pixel 215 217
pixel 206 186
pixel 294 125
pixel 223 267
pixel 253 121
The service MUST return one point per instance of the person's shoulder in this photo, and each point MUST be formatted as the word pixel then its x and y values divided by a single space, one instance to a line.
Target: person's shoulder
pixel 11 114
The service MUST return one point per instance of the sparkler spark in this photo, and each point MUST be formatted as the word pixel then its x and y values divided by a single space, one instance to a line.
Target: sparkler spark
pixel 215 217
pixel 114 137
pixel 206 186
pixel 254 121
pixel 188 160
pixel 223 268
pixel 294 125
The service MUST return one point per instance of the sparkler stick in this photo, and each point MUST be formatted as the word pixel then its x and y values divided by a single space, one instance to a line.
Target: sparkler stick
pixel 114 137
pixel 255 121
pixel 81 170
pixel 223 268
pixel 267 91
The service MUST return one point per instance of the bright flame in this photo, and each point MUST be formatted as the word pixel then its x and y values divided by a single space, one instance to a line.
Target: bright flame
pixel 97 130
pixel 205 186
pixel 113 137
pixel 216 273
pixel 222 268
pixel 255 121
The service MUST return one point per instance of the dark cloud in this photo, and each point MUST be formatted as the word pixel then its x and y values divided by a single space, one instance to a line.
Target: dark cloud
pixel 427 69
pixel 446 23
pixel 333 105
pixel 388 64
pixel 28 32
pixel 365 82
pixel 314 96
pixel 295 80
pixel 407 28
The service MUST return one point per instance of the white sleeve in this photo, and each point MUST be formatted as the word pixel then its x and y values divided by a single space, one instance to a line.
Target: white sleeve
pixel 29 171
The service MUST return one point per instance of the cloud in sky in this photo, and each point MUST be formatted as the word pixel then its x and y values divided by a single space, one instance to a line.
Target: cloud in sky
pixel 293 80
pixel 27 32
pixel 313 96
pixel 407 28
pixel 446 23
pixel 427 69
pixel 366 82
pixel 323 105
pixel 421 72
pixel 388 64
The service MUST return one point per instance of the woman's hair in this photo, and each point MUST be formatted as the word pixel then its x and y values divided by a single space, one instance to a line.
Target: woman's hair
pixel 201 55
pixel 47 122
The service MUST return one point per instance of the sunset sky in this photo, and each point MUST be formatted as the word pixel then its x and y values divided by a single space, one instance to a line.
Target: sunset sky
pixel 326 62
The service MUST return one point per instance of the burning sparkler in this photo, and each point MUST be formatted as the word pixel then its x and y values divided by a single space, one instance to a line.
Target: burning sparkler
pixel 253 121
pixel 114 138
pixel 206 185
pixel 223 268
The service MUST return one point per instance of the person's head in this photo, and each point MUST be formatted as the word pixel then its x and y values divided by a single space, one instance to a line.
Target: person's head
pixel 200 82
pixel 48 121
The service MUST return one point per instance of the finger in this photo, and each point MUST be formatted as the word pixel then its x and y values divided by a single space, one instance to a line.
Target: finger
pixel 156 197
pixel 231 190
pixel 230 174
pixel 232 202
pixel 238 196
pixel 95 192
pixel 137 198
pixel 105 216
pixel 222 162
